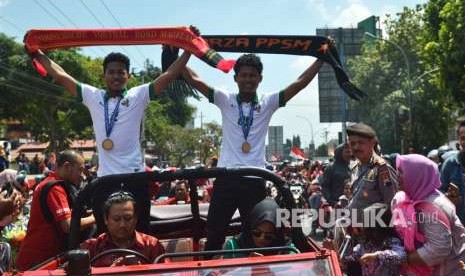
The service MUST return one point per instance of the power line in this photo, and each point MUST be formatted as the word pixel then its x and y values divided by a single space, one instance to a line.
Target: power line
pixel 28 76
pixel 69 20
pixel 101 24
pixel 59 21
pixel 28 92
pixel 36 90
pixel 49 13
pixel 92 13
pixel 12 24
pixel 62 13
pixel 120 25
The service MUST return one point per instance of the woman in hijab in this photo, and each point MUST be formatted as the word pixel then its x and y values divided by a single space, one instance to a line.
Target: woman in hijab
pixel 260 230
pixel 443 234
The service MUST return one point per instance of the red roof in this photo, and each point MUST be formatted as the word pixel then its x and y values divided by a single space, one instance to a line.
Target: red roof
pixel 33 146
pixel 78 144
pixel 30 149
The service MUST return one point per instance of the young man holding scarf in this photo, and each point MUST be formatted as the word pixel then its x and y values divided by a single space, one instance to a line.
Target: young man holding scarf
pixel 116 112
pixel 245 121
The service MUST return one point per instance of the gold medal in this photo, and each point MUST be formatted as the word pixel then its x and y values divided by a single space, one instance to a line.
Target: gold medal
pixel 107 144
pixel 246 147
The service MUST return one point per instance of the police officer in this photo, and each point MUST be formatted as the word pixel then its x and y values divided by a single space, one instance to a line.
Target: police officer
pixel 373 179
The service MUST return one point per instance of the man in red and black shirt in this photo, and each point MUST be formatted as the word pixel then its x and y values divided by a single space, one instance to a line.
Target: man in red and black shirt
pixel 120 217
pixel 44 238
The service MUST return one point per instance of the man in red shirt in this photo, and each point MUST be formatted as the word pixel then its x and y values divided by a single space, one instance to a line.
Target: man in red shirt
pixel 44 238
pixel 121 219
pixel 181 195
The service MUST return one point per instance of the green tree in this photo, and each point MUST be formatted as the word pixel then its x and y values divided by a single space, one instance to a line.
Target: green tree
pixel 381 71
pixel 443 47
pixel 182 145
pixel 45 108
pixel 210 138
pixel 322 150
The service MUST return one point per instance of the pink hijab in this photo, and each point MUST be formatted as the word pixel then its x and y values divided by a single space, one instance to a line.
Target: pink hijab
pixel 420 176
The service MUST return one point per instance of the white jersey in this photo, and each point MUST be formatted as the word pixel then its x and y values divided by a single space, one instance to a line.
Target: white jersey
pixel 233 137
pixel 126 155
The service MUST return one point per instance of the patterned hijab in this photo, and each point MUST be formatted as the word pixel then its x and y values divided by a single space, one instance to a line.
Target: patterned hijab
pixel 420 176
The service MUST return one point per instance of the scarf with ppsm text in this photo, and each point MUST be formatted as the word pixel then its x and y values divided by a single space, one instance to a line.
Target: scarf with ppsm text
pixel 317 46
pixel 182 37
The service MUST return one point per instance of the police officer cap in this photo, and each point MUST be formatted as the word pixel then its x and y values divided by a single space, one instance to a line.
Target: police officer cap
pixel 361 129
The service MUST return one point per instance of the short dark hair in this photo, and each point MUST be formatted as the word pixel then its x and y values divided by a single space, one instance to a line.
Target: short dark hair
pixel 461 124
pixel 182 182
pixel 248 60
pixel 118 198
pixel 67 156
pixel 116 57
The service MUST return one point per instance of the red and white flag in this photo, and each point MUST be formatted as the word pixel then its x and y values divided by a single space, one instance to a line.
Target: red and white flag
pixel 297 153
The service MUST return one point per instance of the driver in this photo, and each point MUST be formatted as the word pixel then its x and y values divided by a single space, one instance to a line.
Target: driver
pixel 120 217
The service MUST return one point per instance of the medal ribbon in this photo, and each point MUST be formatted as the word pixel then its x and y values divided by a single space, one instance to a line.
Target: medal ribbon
pixel 245 124
pixel 110 122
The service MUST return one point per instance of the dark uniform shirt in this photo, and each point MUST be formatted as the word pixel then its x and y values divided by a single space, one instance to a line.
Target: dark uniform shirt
pixel 372 183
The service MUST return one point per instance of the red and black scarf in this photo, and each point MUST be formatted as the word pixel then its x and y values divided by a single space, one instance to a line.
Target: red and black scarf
pixel 182 37
pixel 317 46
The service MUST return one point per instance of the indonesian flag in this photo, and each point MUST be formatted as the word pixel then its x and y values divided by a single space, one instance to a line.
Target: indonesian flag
pixel 297 153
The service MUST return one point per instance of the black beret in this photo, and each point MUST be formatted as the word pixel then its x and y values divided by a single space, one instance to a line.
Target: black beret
pixel 361 129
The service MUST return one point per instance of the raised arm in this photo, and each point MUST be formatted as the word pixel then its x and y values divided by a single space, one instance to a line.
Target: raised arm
pixel 193 79
pixel 162 82
pixel 304 79
pixel 57 73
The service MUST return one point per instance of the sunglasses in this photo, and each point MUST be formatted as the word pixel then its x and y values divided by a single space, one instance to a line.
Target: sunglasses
pixel 266 235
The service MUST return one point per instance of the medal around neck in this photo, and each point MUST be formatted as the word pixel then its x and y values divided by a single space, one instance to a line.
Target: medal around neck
pixel 245 123
pixel 246 147
pixel 107 144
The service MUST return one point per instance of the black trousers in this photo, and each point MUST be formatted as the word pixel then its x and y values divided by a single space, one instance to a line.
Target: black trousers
pixel 228 195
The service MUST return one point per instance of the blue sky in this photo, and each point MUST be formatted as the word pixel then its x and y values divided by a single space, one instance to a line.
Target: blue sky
pixel 299 17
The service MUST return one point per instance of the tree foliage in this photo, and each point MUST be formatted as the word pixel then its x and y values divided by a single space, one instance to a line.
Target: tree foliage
pixel 398 85
pixel 443 46
pixel 322 150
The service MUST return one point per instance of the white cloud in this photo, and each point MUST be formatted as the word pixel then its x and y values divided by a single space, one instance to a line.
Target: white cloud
pixel 351 14
pixel 319 5
pixel 346 14
pixel 300 63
